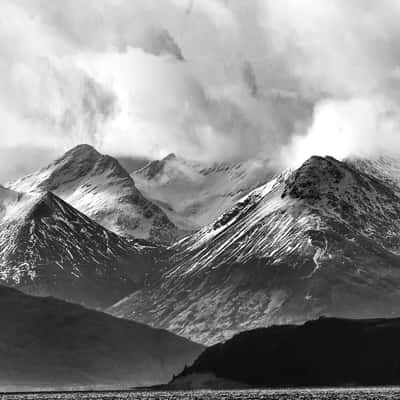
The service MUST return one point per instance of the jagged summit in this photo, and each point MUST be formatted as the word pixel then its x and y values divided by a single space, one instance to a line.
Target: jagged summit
pixel 99 186
pixel 321 240
pixel 315 178
pixel 97 163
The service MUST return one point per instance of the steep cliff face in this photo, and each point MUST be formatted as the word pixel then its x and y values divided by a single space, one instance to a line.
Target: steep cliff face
pixel 323 239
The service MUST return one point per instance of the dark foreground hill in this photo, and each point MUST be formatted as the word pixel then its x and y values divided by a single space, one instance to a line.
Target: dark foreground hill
pixel 323 352
pixel 50 344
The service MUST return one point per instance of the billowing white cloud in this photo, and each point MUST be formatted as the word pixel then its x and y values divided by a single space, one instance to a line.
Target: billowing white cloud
pixel 208 79
pixel 344 54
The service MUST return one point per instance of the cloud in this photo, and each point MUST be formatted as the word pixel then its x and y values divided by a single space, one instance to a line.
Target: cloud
pixel 345 55
pixel 136 78
pixel 366 127
pixel 207 79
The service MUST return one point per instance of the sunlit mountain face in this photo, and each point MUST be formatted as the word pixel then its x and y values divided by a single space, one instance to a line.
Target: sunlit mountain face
pixel 318 240
pixel 98 186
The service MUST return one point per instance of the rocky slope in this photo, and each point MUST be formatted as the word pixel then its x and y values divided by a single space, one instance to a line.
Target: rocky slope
pixel 49 344
pixel 99 187
pixel 194 194
pixel 325 352
pixel 49 248
pixel 321 240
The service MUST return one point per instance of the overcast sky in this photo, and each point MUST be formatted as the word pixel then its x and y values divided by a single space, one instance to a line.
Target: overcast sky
pixel 206 79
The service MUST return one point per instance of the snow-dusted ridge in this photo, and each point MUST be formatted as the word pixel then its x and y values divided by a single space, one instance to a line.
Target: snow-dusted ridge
pixel 323 239
pixel 47 247
pixel 193 194
pixel 99 187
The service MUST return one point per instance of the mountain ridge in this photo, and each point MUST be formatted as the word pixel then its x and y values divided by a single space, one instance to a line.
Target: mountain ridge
pixel 192 193
pixel 48 247
pixel 98 186
pixel 320 240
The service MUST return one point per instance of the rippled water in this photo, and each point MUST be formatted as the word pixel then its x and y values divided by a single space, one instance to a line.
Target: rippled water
pixel 283 394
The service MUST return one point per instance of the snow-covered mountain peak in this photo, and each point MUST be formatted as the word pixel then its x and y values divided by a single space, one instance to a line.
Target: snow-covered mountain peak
pixel 99 186
pixel 193 194
pixel 75 165
pixel 315 178
pixel 81 151
pixel 170 170
pixel 320 240
pixel 109 165
pixel 49 247
pixel 170 157
pixel 321 192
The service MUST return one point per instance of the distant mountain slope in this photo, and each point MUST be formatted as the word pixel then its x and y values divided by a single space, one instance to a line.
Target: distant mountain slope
pixel 386 168
pixel 325 352
pixel 194 194
pixel 50 344
pixel 323 239
pixel 49 248
pixel 99 187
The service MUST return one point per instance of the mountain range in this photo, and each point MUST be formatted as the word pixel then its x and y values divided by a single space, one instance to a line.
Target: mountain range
pixel 77 230
pixel 194 194
pixel 99 187
pixel 319 240
pixel 204 251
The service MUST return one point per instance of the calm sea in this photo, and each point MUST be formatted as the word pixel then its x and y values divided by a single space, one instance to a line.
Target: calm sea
pixel 298 394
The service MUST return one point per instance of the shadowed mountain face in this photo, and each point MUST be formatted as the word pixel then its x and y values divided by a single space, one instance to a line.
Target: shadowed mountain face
pixel 49 248
pixel 50 344
pixel 99 187
pixel 321 240
pixel 325 352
